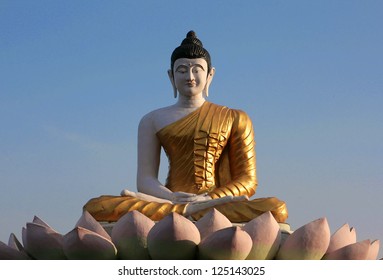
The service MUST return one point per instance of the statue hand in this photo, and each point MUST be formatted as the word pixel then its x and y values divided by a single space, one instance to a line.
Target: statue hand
pixel 126 192
pixel 144 196
pixel 199 205
pixel 174 198
pixel 183 197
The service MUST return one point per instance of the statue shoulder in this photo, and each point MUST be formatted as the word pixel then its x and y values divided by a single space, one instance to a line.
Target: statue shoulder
pixel 241 115
pixel 241 120
pixel 154 114
pixel 238 116
pixel 156 118
pixel 236 112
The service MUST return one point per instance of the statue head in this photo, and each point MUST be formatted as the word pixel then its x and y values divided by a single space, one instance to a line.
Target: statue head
pixel 192 48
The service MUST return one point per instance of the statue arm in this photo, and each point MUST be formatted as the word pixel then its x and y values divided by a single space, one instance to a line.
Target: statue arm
pixel 148 160
pixel 241 159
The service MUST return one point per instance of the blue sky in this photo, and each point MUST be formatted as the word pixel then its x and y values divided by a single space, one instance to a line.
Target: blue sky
pixel 77 76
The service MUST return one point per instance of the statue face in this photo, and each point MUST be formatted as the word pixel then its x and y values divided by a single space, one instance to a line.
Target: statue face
pixel 190 75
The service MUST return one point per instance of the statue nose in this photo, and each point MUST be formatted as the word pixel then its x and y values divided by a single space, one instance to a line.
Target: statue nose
pixel 190 76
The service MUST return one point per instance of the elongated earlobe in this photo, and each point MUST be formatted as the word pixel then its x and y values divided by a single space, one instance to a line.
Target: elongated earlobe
pixel 170 74
pixel 208 82
pixel 206 91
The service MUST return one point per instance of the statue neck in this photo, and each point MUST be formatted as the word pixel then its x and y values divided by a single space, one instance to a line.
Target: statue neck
pixel 190 102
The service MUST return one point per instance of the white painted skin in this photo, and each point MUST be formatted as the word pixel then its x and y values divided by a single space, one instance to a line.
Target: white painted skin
pixel 191 80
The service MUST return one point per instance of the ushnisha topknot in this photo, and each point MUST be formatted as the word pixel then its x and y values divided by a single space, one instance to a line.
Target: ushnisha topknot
pixel 191 47
pixel 191 38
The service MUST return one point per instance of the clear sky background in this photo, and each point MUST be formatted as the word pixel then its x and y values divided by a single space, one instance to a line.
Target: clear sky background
pixel 77 76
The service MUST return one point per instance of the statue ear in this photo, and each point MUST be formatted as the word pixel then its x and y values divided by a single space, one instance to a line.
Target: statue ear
pixel 171 77
pixel 208 81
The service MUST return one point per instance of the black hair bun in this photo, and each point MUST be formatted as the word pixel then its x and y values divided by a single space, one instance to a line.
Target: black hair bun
pixel 191 34
pixel 191 39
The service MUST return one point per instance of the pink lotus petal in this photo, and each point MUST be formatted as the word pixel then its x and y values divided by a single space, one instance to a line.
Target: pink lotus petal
pixel 43 243
pixel 87 221
pixel 374 250
pixel 24 236
pixel 84 244
pixel 130 233
pixel 355 251
pixel 342 237
pixel 173 237
pixel 231 243
pixel 266 237
pixel 14 243
pixel 8 253
pixel 211 222
pixel 309 242
pixel 37 220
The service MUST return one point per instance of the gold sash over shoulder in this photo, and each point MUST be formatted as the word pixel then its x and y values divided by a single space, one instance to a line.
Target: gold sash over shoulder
pixel 212 150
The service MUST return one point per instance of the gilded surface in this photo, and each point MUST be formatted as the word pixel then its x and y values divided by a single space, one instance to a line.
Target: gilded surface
pixel 210 151
pixel 110 208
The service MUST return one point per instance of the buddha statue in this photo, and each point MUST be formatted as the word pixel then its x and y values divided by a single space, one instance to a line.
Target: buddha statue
pixel 210 148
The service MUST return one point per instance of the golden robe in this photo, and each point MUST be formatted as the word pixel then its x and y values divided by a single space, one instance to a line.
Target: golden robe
pixel 212 151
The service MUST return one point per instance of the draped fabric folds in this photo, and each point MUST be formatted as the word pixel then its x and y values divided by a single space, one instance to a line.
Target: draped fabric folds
pixel 212 151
